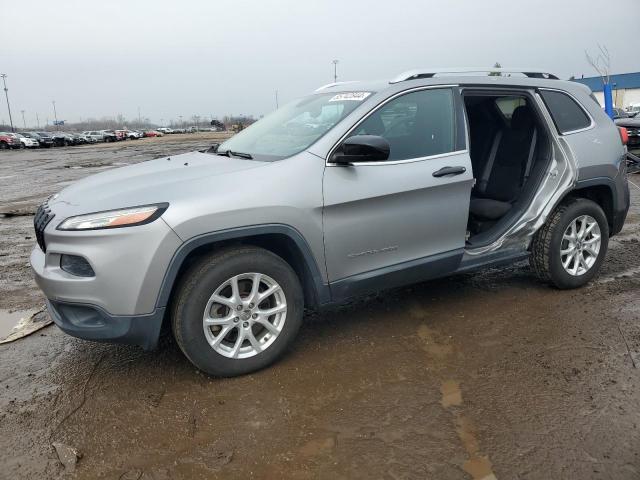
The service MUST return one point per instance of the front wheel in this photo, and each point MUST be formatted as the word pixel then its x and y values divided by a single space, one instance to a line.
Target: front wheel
pixel 569 249
pixel 237 311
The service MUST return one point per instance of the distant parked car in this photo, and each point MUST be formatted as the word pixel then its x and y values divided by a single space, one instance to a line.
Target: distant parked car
pixel 95 134
pixel 27 142
pixel 7 140
pixel 620 113
pixel 47 139
pixel 133 134
pixel 64 139
pixel 164 130
pixel 120 134
pixel 109 135
pixel 43 142
pixel 85 138
pixel 153 133
pixel 633 130
pixel 633 110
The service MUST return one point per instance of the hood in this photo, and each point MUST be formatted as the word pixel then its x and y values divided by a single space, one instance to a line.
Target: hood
pixel 162 180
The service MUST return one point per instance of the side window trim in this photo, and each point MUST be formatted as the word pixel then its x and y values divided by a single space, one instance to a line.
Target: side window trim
pixel 577 102
pixel 454 90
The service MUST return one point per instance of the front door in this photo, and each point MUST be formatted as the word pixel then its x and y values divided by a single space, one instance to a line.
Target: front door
pixel 405 218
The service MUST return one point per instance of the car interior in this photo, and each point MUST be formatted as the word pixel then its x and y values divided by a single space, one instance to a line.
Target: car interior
pixel 509 149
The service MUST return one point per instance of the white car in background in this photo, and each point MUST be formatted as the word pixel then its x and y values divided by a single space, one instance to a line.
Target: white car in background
pixel 95 134
pixel 133 135
pixel 26 142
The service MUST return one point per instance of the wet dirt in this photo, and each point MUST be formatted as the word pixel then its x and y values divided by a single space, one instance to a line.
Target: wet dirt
pixel 478 376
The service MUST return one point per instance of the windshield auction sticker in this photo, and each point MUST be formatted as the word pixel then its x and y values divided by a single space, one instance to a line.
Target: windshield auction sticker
pixel 352 96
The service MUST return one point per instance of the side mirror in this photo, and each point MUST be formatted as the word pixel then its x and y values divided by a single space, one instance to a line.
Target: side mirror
pixel 212 149
pixel 362 148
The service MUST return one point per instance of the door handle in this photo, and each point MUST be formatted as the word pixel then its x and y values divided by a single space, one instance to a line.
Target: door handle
pixel 444 171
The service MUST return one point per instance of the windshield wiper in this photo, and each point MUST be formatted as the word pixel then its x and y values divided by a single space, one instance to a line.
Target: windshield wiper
pixel 229 153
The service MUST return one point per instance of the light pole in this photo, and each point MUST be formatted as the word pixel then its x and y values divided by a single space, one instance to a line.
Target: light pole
pixel 6 94
pixel 23 121
pixel 55 114
pixel 276 99
pixel 37 121
pixel 335 70
pixel 181 123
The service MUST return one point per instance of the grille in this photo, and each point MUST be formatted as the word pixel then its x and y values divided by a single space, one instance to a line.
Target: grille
pixel 40 221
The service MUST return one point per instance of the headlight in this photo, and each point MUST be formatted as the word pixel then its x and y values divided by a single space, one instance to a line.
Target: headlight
pixel 126 217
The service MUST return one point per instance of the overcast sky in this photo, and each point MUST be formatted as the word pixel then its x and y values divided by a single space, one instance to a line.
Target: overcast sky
pixel 186 57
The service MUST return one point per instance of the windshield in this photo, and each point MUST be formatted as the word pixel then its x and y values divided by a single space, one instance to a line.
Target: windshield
pixel 294 127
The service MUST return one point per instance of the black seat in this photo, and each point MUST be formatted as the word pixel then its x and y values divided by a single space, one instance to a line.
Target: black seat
pixel 507 167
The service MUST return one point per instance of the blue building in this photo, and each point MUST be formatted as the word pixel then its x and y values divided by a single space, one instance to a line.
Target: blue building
pixel 626 89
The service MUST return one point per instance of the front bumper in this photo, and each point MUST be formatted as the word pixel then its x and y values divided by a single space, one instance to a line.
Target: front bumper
pixel 129 266
pixel 93 323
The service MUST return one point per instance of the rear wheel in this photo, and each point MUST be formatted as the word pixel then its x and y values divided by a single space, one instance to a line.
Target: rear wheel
pixel 237 311
pixel 569 249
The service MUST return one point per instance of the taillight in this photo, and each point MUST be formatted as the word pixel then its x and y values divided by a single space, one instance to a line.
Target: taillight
pixel 624 135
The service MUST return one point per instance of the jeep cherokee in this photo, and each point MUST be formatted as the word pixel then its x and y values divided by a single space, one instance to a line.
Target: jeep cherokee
pixel 358 187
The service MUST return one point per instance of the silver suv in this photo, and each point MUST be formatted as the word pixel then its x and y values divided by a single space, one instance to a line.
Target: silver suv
pixel 360 186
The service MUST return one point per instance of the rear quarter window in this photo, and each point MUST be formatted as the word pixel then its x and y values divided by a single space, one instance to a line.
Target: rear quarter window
pixel 567 115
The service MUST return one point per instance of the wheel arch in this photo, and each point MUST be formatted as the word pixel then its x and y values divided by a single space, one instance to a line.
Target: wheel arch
pixel 599 190
pixel 283 240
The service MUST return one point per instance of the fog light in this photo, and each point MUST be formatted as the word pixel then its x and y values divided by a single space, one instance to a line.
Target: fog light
pixel 76 265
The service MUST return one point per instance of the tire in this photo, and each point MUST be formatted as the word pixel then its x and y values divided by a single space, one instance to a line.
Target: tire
pixel 193 298
pixel 4 146
pixel 549 242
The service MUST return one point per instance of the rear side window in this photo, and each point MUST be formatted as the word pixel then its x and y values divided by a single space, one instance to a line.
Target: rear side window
pixel 417 124
pixel 566 113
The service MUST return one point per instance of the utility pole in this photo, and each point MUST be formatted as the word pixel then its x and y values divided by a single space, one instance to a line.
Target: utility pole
pixel 37 120
pixel 139 120
pixel 335 71
pixel 23 121
pixel 276 99
pixel 55 114
pixel 6 94
pixel 181 123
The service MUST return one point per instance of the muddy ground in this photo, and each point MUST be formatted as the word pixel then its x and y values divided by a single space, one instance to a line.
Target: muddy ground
pixel 481 374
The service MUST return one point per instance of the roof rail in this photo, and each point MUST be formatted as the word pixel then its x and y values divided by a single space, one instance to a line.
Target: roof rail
pixel 329 85
pixel 431 72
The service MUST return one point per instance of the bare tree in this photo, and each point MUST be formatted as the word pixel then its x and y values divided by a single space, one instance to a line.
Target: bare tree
pixel 494 73
pixel 601 62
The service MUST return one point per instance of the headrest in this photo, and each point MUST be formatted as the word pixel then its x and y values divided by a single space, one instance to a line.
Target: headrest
pixel 522 118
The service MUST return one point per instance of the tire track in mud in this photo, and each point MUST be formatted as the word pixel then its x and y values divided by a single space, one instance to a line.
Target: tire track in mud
pixel 438 351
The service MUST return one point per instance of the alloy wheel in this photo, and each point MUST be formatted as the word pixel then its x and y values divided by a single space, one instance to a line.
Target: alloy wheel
pixel 245 315
pixel 580 245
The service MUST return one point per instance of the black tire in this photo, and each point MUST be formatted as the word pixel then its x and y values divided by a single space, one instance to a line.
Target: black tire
pixel 4 146
pixel 545 256
pixel 200 282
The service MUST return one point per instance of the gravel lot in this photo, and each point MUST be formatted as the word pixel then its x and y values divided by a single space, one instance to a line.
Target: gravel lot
pixel 477 375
